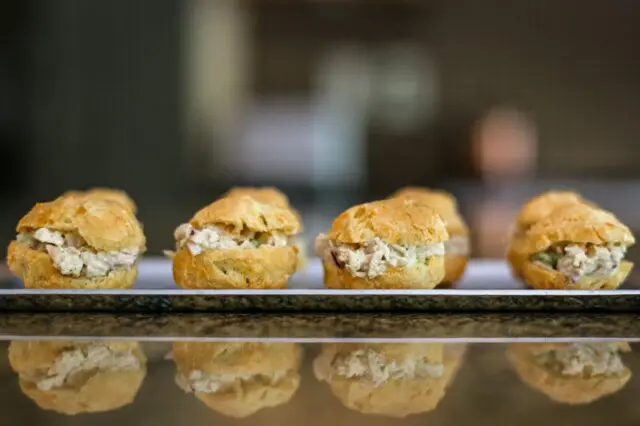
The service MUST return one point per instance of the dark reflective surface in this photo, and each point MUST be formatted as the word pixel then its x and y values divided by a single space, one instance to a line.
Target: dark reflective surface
pixel 287 383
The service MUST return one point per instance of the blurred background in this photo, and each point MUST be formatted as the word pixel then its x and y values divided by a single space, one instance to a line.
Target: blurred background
pixel 334 101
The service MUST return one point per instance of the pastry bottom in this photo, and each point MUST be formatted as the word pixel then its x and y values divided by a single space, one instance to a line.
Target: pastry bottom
pixel 454 266
pixel 425 275
pixel 539 277
pixel 36 270
pixel 572 390
pixel 260 268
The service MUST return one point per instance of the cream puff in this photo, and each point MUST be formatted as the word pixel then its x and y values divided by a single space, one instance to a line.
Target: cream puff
pixel 571 373
pixel 387 244
pixel 532 212
pixel 577 247
pixel 238 379
pixel 396 379
pixel 72 377
pixel 237 242
pixel 457 248
pixel 77 242
pixel 108 194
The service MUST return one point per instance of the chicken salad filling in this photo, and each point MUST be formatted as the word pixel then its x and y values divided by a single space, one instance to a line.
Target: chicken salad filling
pixel 374 367
pixel 214 238
pixel 199 381
pixel 584 359
pixel 457 245
pixel 577 261
pixel 373 258
pixel 71 256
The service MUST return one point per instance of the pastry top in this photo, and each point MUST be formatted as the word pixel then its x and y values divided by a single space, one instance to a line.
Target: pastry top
pixel 442 202
pixel 236 358
pixel 396 221
pixel 104 225
pixel 266 195
pixel 243 213
pixel 578 223
pixel 542 205
pixel 109 194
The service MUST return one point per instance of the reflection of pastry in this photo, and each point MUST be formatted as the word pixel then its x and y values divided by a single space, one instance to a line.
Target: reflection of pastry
pixel 106 194
pixel 73 377
pixel 76 242
pixel 393 243
pixel 532 212
pixel 273 196
pixel 237 242
pixel 457 247
pixel 571 373
pixel 395 379
pixel 238 379
pixel 577 247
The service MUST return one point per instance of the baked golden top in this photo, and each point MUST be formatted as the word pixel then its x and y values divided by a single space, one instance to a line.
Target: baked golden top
pixel 442 202
pixel 396 221
pixel 104 225
pixel 242 213
pixel 266 195
pixel 109 194
pixel 578 223
pixel 544 204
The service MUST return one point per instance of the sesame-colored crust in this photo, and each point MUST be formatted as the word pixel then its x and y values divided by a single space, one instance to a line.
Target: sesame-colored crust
pixel 102 391
pixel 542 278
pixel 243 398
pixel 517 254
pixel 259 268
pixel 454 266
pixel 104 225
pixel 36 270
pixel 442 202
pixel 266 195
pixel 544 204
pixel 395 221
pixel 572 390
pixel 396 397
pixel 577 223
pixel 242 213
pixel 107 194
pixel 425 275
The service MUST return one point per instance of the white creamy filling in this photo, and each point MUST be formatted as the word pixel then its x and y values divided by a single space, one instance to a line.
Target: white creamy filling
pixel 374 367
pixel 457 245
pixel 590 359
pixel 372 259
pixel 601 261
pixel 199 381
pixel 215 238
pixel 73 363
pixel 70 257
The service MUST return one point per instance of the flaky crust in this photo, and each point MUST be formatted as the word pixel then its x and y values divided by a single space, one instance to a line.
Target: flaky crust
pixel 396 397
pixel 577 223
pixel 36 270
pixel 107 194
pixel 260 268
pixel 102 391
pixel 563 389
pixel 396 221
pixel 442 202
pixel 454 266
pixel 419 276
pixel 544 204
pixel 104 225
pixel 244 398
pixel 542 278
pixel 242 213
pixel 266 195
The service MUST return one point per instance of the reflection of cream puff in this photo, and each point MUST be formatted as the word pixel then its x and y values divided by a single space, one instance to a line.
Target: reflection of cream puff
pixel 75 242
pixel 532 212
pixel 394 243
pixel 458 246
pixel 238 379
pixel 106 194
pixel 395 380
pixel 571 373
pixel 237 242
pixel 73 377
pixel 577 247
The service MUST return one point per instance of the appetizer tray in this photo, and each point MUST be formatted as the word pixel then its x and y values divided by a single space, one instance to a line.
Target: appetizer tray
pixel 487 286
